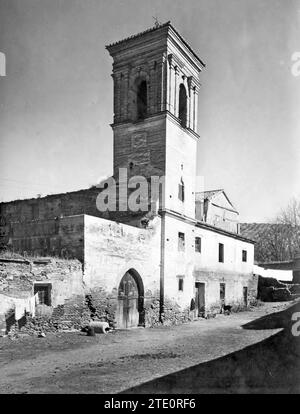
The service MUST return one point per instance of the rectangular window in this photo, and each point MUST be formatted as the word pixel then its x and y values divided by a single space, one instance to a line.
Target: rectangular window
pixel 221 252
pixel 181 191
pixel 181 242
pixel 180 284
pixel 244 255
pixel 198 244
pixel 44 293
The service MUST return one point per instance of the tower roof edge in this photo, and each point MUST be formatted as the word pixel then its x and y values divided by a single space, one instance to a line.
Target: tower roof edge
pixel 156 28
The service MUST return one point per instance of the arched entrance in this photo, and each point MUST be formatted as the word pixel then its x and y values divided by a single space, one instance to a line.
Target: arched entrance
pixel 130 300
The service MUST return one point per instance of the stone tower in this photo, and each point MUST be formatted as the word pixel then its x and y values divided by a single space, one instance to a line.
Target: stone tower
pixel 156 86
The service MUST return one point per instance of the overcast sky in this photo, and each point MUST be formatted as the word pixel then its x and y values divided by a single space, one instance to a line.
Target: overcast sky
pixel 56 98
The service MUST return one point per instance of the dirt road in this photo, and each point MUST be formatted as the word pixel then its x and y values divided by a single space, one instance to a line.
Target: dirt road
pixel 75 363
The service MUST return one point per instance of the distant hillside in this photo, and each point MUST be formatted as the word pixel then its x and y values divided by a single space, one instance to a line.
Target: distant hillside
pixel 274 242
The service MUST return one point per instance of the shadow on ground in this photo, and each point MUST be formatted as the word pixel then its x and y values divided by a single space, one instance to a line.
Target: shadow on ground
pixel 270 366
pixel 275 320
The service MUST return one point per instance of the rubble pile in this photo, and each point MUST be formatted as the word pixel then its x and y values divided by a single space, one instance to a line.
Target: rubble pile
pixel 101 306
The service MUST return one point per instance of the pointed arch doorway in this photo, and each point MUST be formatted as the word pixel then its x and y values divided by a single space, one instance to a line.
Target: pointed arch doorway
pixel 130 312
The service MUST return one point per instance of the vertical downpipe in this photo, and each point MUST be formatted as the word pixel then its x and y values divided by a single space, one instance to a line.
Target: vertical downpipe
pixel 162 266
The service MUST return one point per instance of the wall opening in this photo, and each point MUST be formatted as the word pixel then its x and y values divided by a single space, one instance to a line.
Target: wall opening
pixel 182 105
pixel 44 293
pixel 142 100
pixel 130 301
pixel 180 284
pixel 221 253
pixel 181 242
pixel 245 295
pixel 198 244
pixel 222 294
pixel 200 298
pixel 181 190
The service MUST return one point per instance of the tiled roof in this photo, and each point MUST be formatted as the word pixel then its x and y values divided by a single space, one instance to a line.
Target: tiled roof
pixel 153 29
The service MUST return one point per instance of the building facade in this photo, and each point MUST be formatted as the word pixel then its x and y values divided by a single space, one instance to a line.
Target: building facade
pixel 173 255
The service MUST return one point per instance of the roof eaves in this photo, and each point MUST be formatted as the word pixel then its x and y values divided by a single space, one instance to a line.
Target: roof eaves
pixel 153 29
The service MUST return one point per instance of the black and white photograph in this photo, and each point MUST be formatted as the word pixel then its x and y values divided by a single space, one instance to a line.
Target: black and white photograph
pixel 149 199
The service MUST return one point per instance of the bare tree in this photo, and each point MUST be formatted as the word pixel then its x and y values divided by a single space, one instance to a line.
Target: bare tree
pixel 291 214
pixel 278 240
pixel 289 217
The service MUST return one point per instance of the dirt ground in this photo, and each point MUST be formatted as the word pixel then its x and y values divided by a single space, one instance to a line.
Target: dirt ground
pixel 164 359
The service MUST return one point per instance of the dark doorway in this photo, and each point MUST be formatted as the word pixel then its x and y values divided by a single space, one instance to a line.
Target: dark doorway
pixel 200 298
pixel 130 301
pixel 44 293
pixel 245 295
pixel 222 294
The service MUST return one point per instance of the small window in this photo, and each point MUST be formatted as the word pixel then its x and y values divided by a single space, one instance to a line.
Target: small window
pixel 244 255
pixel 181 242
pixel 44 293
pixel 198 244
pixel 221 252
pixel 180 284
pixel 181 190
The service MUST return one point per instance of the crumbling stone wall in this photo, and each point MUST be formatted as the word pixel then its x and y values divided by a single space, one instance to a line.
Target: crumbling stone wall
pixel 60 237
pixel 102 305
pixel 172 315
pixel 53 225
pixel 18 277
pixel 50 207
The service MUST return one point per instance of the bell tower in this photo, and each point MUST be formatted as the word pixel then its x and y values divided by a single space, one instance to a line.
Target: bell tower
pixel 156 87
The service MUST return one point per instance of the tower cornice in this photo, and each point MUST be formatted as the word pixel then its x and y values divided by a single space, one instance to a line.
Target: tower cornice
pixel 165 31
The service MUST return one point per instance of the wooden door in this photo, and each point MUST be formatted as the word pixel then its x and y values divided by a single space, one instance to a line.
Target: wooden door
pixel 245 295
pixel 128 302
pixel 200 298
pixel 222 294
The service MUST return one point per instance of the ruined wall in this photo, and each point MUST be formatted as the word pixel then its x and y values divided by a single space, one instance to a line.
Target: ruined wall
pixel 19 276
pixel 49 207
pixel 48 225
pixel 61 237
